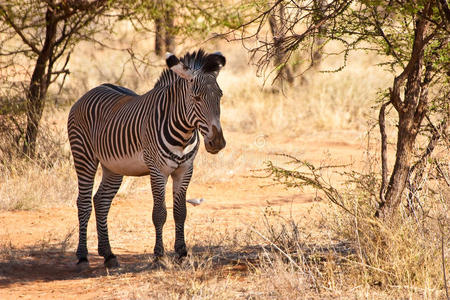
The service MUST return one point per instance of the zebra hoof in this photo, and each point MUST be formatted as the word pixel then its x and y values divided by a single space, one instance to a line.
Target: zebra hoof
pixel 111 262
pixel 159 263
pixel 158 253
pixel 181 252
pixel 82 264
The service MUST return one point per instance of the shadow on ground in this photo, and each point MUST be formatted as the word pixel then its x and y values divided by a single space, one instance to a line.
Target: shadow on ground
pixel 25 265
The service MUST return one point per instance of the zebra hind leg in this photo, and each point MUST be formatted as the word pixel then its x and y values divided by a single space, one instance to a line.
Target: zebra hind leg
pixel 102 202
pixel 86 168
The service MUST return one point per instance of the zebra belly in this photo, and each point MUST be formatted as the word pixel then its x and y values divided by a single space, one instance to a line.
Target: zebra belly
pixel 133 165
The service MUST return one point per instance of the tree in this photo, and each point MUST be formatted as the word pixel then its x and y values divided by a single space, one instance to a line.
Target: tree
pixel 37 38
pixel 277 21
pixel 430 38
pixel 190 20
pixel 164 27
pixel 413 38
pixel 43 32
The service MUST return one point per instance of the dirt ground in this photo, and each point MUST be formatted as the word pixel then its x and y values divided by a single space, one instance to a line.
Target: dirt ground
pixel 38 260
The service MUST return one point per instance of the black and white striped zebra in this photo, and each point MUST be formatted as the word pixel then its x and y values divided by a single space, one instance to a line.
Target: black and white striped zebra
pixel 153 134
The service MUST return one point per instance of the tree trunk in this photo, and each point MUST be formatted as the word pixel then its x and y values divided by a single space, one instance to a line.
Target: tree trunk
pixel 277 23
pixel 160 48
pixel 411 112
pixel 164 34
pixel 399 176
pixel 37 90
pixel 169 38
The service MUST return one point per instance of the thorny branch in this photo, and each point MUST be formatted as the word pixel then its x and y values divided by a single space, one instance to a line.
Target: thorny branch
pixel 311 177
pixel 418 168
pixel 6 15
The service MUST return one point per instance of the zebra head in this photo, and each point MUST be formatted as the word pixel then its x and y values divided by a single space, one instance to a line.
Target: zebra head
pixel 200 70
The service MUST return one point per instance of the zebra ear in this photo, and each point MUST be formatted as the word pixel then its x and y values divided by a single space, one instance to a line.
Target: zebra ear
pixel 178 67
pixel 221 58
pixel 214 63
pixel 171 60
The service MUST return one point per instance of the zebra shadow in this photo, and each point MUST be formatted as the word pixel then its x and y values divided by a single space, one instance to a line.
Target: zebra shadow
pixel 35 264
pixel 27 265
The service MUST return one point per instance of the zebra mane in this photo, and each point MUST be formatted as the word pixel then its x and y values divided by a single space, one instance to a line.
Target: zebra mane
pixel 195 61
pixel 166 78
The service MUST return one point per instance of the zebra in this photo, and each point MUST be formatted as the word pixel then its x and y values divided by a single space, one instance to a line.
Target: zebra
pixel 154 134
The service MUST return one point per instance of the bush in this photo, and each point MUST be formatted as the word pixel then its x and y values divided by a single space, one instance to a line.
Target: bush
pixel 408 252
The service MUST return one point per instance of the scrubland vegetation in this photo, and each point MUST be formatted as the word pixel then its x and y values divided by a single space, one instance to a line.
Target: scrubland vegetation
pixel 334 247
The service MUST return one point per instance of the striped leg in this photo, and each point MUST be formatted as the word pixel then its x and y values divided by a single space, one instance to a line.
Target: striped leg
pixel 181 178
pixel 102 202
pixel 86 167
pixel 159 214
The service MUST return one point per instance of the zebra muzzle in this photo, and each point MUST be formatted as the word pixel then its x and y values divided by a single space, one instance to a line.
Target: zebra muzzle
pixel 216 142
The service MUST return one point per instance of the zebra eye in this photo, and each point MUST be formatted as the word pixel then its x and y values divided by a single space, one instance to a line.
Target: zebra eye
pixel 197 98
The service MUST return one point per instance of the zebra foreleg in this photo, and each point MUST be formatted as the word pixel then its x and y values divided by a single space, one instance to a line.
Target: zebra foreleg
pixel 102 202
pixel 159 214
pixel 181 178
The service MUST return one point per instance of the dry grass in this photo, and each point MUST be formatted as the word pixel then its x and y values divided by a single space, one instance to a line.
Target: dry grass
pixel 405 255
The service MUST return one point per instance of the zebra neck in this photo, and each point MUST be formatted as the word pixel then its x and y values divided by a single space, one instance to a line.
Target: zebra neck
pixel 176 129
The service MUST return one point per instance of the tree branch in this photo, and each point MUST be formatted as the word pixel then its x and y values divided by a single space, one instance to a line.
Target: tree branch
pixel 18 30
pixel 431 143
pixel 71 7
pixel 388 42
pixel 443 6
pixel 416 57
pixel 384 167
